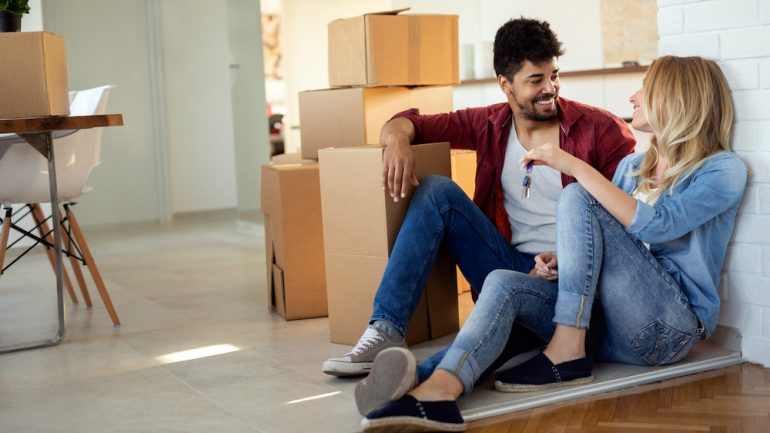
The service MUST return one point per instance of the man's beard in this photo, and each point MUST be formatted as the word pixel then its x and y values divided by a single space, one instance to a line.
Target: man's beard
pixel 532 114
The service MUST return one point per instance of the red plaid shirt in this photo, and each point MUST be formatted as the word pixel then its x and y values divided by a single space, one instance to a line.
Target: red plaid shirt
pixel 589 133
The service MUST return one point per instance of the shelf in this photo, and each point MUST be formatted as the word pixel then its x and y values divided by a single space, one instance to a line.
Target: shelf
pixel 581 73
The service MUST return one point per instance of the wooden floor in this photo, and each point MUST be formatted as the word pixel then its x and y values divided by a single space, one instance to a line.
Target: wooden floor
pixel 734 399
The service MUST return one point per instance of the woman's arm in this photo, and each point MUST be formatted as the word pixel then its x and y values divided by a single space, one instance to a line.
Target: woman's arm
pixel 619 204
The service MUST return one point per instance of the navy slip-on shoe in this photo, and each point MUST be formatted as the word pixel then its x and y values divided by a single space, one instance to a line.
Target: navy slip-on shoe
pixel 540 373
pixel 409 415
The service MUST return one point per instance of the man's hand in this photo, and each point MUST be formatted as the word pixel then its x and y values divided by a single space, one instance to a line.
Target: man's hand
pixel 398 158
pixel 546 266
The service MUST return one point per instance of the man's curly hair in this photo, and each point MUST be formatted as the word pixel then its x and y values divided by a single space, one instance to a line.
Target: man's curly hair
pixel 524 39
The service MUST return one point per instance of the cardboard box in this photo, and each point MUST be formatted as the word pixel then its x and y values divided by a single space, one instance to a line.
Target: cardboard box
pixel 33 75
pixel 464 174
pixel 354 116
pixel 361 223
pixel 290 158
pixel 387 49
pixel 296 278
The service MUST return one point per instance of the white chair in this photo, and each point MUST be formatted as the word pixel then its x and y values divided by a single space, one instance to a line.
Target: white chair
pixel 24 179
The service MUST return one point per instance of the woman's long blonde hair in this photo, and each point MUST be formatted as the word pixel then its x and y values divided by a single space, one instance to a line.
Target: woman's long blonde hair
pixel 688 104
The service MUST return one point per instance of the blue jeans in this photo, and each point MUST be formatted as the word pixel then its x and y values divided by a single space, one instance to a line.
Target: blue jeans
pixel 642 316
pixel 440 213
pixel 647 317
pixel 510 300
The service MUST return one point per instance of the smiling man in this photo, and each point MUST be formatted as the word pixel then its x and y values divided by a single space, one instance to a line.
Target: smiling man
pixel 513 216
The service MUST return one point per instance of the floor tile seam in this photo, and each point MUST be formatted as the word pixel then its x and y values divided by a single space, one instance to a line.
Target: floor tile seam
pixel 210 400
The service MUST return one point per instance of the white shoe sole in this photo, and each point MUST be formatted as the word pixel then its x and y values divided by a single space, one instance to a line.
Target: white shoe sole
pixel 346 369
pixel 509 387
pixel 408 424
pixel 394 374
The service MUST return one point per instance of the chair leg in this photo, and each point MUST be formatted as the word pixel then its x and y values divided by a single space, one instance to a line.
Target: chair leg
pixel 75 263
pixel 89 259
pixel 42 228
pixel 6 231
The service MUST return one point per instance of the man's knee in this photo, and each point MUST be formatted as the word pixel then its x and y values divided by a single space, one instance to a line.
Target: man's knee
pixel 501 280
pixel 434 185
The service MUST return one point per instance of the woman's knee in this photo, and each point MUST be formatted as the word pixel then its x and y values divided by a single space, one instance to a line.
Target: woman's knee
pixel 574 196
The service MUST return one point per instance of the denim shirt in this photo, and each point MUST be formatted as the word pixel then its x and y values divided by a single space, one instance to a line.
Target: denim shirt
pixel 688 230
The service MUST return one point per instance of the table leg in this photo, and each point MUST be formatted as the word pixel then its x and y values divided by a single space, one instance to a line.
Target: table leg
pixel 43 142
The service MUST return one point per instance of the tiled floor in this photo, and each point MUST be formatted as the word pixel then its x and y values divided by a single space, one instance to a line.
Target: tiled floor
pixel 195 284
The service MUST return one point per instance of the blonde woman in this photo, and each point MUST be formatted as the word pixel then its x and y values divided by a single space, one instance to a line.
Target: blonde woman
pixel 643 253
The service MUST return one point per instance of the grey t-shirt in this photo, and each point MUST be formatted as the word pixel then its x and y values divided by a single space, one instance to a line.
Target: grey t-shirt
pixel 533 219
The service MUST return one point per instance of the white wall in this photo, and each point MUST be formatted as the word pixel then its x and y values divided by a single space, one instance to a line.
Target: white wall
pixel 198 105
pixel 107 42
pixel 736 33
pixel 250 130
pixel 33 21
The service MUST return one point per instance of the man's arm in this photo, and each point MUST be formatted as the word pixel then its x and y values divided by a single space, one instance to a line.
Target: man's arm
pixel 460 128
pixel 398 160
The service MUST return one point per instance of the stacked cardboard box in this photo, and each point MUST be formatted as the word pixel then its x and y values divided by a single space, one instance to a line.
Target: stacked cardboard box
pixel 360 223
pixel 397 62
pixel 354 116
pixel 375 62
pixel 464 175
pixel 291 203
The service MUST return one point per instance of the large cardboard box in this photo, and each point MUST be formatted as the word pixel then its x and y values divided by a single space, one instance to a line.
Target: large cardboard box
pixel 33 75
pixel 291 202
pixel 354 116
pixel 361 223
pixel 387 49
pixel 464 174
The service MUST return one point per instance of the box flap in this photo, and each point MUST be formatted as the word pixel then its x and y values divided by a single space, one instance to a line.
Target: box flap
pixel 390 12
pixel 277 292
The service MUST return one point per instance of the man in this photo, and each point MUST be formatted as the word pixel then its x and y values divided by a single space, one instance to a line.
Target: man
pixel 513 217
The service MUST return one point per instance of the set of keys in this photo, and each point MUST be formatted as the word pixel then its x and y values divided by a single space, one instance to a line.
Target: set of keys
pixel 527 183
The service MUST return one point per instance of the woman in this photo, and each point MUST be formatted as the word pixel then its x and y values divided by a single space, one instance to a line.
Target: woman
pixel 646 250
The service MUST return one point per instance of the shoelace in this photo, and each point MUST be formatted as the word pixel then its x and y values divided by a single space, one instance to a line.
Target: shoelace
pixel 370 338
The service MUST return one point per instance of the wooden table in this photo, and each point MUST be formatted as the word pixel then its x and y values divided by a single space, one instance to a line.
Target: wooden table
pixel 38 132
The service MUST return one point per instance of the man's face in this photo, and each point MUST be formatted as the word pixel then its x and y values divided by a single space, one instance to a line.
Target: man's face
pixel 534 90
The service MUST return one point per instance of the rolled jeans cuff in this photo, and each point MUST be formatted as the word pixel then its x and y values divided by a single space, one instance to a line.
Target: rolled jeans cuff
pixel 463 365
pixel 573 310
pixel 400 327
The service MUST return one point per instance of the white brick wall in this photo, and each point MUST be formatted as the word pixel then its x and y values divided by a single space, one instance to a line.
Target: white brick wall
pixel 736 33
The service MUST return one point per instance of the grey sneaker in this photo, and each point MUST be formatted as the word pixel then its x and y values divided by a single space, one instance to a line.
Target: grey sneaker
pixel 394 374
pixel 359 361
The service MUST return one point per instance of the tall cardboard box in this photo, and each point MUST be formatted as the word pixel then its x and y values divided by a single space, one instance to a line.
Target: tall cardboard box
pixel 361 223
pixel 464 174
pixel 291 202
pixel 387 49
pixel 33 75
pixel 354 116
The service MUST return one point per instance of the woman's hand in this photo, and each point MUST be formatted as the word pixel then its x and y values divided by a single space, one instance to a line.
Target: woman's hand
pixel 546 266
pixel 552 156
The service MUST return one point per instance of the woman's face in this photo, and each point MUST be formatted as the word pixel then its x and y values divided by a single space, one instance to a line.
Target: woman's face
pixel 638 119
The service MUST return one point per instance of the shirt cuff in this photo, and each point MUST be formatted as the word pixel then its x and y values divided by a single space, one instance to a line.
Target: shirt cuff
pixel 643 215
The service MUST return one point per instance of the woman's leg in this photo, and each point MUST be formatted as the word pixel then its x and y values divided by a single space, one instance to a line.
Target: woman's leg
pixel 507 296
pixel 648 319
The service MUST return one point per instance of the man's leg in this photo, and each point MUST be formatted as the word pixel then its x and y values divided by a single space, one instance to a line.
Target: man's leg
pixel 440 212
